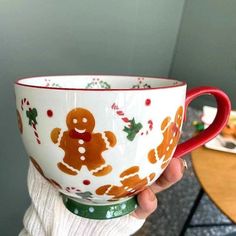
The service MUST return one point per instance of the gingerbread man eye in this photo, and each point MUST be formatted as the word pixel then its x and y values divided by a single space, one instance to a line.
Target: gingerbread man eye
pixel 84 120
pixel 75 121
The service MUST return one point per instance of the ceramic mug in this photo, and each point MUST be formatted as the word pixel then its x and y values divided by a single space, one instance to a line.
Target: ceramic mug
pixel 102 139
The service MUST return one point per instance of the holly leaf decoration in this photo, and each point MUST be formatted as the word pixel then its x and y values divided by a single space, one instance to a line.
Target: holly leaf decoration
pixel 32 114
pixel 133 129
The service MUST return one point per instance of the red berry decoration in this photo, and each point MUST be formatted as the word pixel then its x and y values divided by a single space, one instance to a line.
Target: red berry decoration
pixel 49 113
pixel 86 182
pixel 148 102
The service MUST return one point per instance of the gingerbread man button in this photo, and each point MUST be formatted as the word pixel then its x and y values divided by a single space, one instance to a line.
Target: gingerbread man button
pixel 81 145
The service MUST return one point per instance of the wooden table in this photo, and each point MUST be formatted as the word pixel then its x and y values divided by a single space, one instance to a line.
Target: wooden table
pixel 216 172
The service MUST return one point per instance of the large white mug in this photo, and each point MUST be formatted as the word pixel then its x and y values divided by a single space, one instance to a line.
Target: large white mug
pixel 102 139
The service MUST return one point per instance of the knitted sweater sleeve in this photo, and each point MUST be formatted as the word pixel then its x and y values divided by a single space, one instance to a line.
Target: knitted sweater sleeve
pixel 47 216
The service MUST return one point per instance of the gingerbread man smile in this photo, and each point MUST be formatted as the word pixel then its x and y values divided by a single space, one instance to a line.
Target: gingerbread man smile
pixel 80 131
pixel 81 145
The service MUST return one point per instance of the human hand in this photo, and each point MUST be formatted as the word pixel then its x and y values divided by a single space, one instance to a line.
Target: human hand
pixel 48 216
pixel 147 199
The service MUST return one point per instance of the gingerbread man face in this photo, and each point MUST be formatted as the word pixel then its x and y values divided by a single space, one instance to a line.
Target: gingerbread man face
pixel 83 147
pixel 80 120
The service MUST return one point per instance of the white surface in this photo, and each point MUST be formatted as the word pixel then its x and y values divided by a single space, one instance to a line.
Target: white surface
pixel 208 117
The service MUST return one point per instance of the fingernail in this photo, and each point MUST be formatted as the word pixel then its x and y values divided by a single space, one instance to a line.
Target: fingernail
pixel 151 195
pixel 184 165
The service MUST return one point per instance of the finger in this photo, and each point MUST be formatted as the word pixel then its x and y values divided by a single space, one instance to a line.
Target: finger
pixel 147 202
pixel 172 174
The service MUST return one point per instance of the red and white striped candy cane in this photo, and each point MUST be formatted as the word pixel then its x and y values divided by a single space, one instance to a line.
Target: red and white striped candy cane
pixel 150 122
pixel 26 103
pixel 126 120
pixel 150 127
pixel 120 113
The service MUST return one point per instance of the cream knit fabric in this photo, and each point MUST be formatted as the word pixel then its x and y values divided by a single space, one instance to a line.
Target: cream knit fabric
pixel 47 216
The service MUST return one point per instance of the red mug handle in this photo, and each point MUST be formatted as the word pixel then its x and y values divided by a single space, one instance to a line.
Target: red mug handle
pixel 223 112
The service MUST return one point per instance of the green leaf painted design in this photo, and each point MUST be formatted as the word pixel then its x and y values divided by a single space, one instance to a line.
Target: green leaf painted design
pixel 102 84
pixel 32 114
pixel 133 129
pixel 55 85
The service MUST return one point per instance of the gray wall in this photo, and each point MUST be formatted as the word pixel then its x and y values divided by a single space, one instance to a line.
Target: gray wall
pixel 72 37
pixel 206 48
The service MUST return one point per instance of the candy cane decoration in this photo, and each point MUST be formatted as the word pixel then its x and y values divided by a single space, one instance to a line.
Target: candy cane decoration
pixel 150 123
pixel 150 127
pixel 121 114
pixel 132 128
pixel 31 113
pixel 127 121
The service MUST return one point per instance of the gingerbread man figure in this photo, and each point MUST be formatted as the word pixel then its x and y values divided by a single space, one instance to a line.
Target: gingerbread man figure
pixel 81 145
pixel 131 184
pixel 171 133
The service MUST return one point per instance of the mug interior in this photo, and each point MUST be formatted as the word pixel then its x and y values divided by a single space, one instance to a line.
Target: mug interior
pixel 97 82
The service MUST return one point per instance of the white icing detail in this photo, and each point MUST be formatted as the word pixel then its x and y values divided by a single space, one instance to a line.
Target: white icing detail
pixel 99 168
pixel 128 176
pixel 82 158
pixel 131 190
pixel 165 161
pixel 84 120
pixel 166 127
pixel 75 121
pixel 81 141
pixel 69 167
pixel 80 130
pixel 81 150
pixel 171 141
pixel 148 180
pixel 156 154
pixel 123 206
pixel 108 190
pixel 59 137
pixel 104 137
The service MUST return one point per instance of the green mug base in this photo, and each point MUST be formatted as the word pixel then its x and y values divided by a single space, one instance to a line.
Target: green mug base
pixel 100 212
